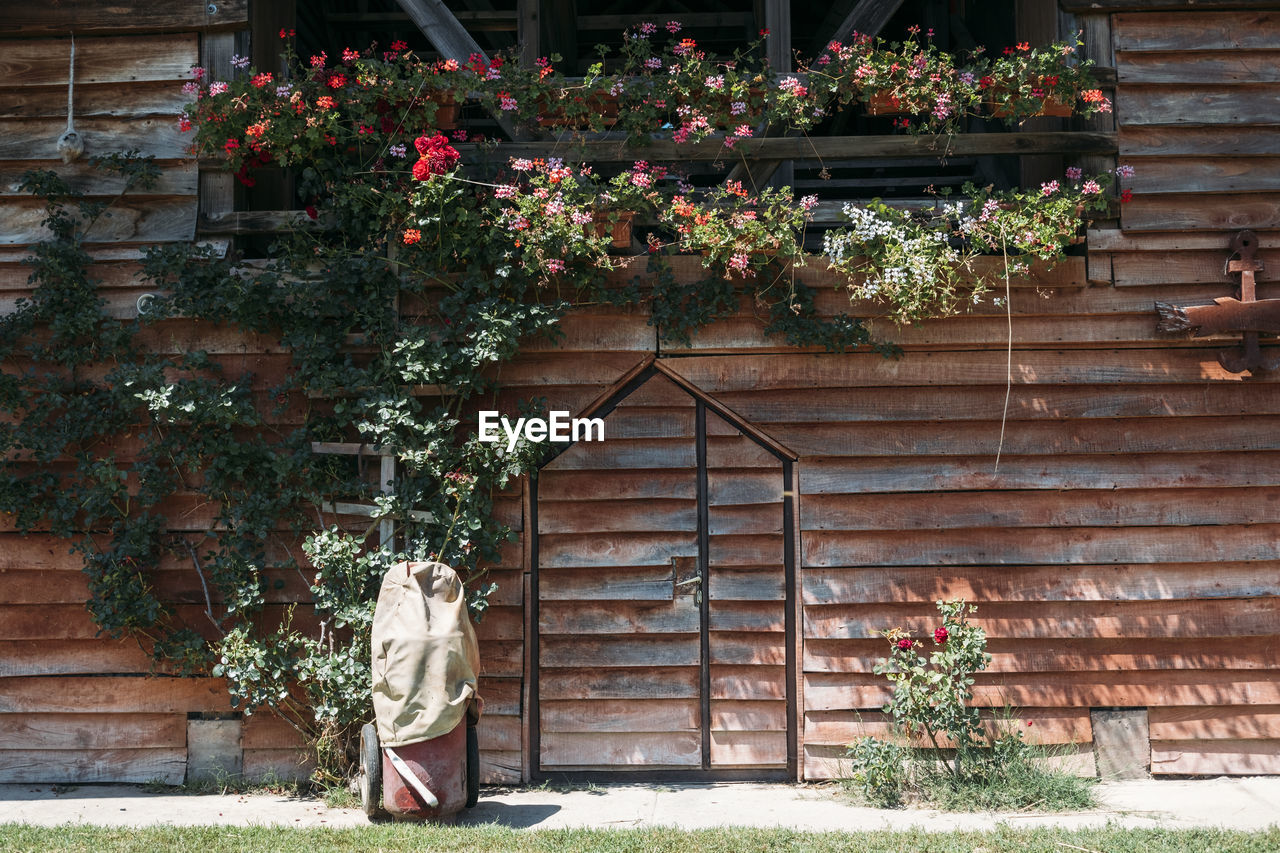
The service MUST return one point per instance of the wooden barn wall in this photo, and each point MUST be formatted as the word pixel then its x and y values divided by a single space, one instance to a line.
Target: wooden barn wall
pixel 1197 109
pixel 1123 554
pixel 75 707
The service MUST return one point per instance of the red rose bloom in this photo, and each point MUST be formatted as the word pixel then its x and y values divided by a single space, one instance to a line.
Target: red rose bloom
pixel 904 644
pixel 940 636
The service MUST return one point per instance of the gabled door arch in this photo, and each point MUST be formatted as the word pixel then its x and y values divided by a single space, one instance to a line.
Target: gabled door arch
pixel 663 593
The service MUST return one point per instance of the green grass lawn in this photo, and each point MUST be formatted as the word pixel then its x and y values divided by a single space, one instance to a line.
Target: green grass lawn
pixel 489 838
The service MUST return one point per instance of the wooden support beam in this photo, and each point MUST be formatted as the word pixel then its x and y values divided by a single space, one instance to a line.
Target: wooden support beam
pixel 253 221
pixel 1108 6
pixel 618 23
pixel 386 476
pixel 85 17
pixel 832 147
pixel 369 511
pixel 351 448
pixel 1037 22
pixel 414 390
pixel 442 29
pixel 867 18
pixel 789 148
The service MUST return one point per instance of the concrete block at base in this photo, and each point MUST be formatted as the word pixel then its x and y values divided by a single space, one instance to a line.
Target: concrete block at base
pixel 1121 744
pixel 213 750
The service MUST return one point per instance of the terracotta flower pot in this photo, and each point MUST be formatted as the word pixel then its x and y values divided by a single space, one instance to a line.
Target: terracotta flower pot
pixel 447 110
pixel 619 228
pixel 884 104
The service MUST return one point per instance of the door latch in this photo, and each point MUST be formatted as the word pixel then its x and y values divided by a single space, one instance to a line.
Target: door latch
pixel 686 580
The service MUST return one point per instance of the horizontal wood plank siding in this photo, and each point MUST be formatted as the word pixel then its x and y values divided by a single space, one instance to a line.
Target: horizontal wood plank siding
pixel 1194 85
pixel 619 662
pixel 1123 552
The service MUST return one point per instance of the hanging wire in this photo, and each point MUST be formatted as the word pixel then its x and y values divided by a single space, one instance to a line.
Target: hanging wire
pixel 70 145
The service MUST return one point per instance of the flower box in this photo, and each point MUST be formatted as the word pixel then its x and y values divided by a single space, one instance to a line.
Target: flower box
pixel 1051 107
pixel 1005 103
pixel 602 105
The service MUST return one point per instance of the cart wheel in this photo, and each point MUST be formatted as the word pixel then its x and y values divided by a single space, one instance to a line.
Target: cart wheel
pixel 370 771
pixel 473 765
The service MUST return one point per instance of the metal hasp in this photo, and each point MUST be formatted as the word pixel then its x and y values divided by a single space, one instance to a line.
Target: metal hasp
pixel 1247 314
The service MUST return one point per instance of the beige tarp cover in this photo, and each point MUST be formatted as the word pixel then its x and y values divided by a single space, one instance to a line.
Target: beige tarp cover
pixel 425 656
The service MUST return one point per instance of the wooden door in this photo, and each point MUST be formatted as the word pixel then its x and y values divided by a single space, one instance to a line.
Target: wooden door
pixel 660 583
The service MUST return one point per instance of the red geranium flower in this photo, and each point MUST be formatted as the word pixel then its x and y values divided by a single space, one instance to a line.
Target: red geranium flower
pixel 411 236
pixel 438 156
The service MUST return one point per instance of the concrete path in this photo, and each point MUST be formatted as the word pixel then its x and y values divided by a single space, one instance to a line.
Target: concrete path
pixel 1238 803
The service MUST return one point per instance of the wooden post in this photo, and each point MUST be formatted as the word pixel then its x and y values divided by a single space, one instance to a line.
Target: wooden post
pixel 528 31
pixel 797 615
pixel 1098 46
pixel 217 189
pixel 527 759
pixel 386 475
pixel 1036 21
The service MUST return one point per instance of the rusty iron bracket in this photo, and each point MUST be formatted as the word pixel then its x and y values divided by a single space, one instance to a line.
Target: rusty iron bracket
pixel 1246 314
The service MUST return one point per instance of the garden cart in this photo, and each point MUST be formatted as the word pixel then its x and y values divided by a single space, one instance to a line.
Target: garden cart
pixel 420 760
